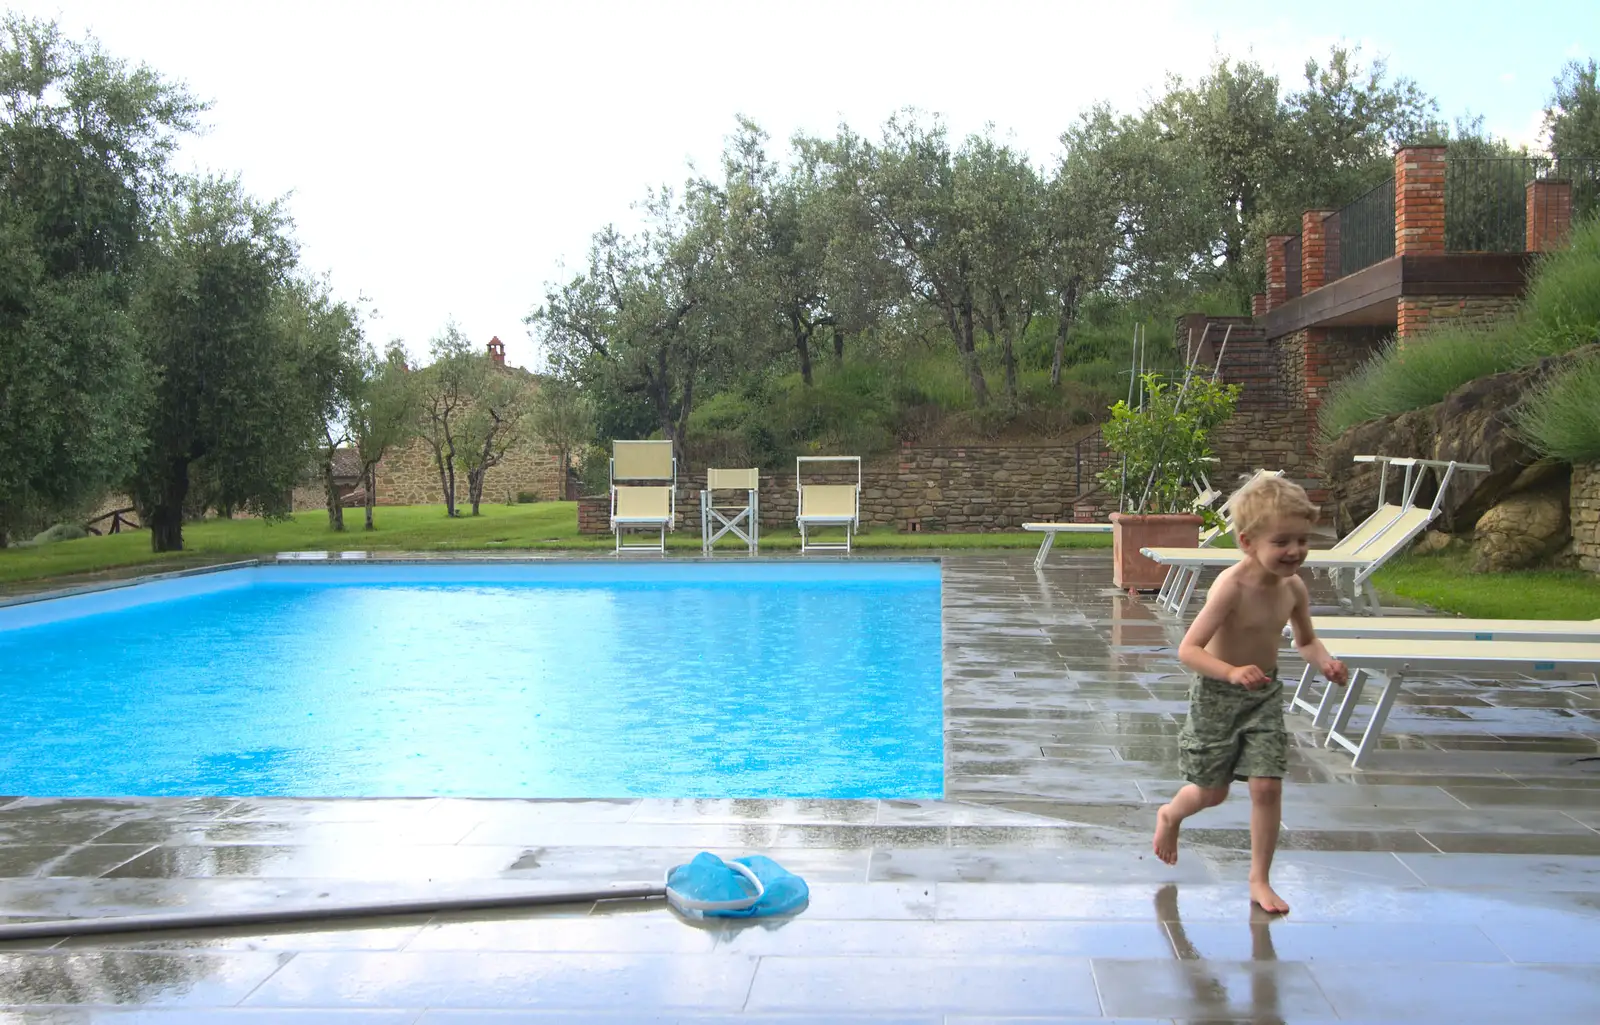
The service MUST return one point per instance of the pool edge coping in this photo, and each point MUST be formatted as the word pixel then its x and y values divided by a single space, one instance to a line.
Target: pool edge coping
pixel 331 558
pixel 113 585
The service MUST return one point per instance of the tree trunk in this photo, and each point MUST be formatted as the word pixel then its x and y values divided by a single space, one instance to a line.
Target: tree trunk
pixel 802 345
pixel 1069 308
pixel 1060 351
pixel 372 480
pixel 335 506
pixel 969 357
pixel 166 516
pixel 447 478
pixel 475 487
pixel 1008 353
pixel 838 346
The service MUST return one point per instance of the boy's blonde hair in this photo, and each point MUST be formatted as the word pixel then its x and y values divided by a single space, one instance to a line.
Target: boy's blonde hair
pixel 1268 498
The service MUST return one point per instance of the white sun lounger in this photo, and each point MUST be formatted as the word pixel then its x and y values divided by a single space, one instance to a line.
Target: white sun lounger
pixel 1392 659
pixel 1430 628
pixel 1204 500
pixel 827 505
pixel 1359 552
pixel 1349 563
pixel 1050 530
pixel 643 506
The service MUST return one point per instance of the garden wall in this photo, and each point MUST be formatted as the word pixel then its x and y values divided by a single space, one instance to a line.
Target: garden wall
pixel 1417 312
pixel 1585 509
pixel 968 488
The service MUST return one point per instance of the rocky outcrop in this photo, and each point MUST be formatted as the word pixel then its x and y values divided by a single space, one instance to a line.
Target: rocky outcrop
pixel 1524 529
pixel 1471 425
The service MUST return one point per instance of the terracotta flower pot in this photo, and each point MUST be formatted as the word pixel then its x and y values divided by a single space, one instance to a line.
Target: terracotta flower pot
pixel 1129 533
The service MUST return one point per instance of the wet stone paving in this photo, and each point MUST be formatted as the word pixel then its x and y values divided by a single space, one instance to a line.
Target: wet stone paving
pixel 1456 879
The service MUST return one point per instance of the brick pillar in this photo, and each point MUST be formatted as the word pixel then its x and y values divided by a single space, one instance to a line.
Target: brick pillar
pixel 1411 316
pixel 1277 271
pixel 1318 356
pixel 1313 250
pixel 1549 214
pixel 1418 221
pixel 1419 200
pixel 594 514
pixel 1258 304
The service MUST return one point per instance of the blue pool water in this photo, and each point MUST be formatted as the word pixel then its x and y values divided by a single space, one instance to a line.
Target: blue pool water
pixel 564 680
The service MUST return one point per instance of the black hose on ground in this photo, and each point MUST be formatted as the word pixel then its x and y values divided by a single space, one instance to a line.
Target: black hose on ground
pixel 59 928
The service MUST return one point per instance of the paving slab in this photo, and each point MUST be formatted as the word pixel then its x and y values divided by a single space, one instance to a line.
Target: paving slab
pixel 1456 879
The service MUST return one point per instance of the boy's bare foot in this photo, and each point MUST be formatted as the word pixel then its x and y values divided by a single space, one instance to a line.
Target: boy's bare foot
pixel 1166 838
pixel 1267 899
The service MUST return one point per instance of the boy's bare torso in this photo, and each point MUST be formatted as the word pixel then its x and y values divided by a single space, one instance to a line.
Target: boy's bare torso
pixel 1252 632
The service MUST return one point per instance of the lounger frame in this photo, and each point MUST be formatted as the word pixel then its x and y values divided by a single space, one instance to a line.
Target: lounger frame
pixel 1427 628
pixel 1352 561
pixel 1392 661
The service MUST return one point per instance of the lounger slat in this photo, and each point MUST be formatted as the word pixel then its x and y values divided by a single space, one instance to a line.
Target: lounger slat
pixel 1447 628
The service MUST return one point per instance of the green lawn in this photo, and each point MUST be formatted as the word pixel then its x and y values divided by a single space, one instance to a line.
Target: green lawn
pixel 540 526
pixel 1447 582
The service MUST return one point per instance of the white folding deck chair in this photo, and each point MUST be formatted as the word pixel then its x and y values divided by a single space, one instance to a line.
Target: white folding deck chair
pixel 739 516
pixel 643 506
pixel 1393 659
pixel 827 505
pixel 1429 628
pixel 1352 561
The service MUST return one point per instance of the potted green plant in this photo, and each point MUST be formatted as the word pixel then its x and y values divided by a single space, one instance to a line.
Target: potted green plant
pixel 1164 445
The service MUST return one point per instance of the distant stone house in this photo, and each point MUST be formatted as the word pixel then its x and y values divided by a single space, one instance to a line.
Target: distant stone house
pixel 346 478
pixel 530 471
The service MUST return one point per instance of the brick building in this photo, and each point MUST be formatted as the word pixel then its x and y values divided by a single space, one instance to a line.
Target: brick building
pixel 1436 242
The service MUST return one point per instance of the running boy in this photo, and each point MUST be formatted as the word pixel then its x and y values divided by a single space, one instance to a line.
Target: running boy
pixel 1235 727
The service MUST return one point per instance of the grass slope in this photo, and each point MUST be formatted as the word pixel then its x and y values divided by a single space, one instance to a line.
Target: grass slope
pixel 1446 582
pixel 540 526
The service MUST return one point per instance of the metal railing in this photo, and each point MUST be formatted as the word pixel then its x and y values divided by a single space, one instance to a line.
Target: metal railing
pixel 1090 455
pixel 1486 198
pixel 1366 228
pixel 1291 265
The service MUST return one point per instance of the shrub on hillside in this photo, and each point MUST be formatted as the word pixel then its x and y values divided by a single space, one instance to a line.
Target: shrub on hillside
pixel 1561 418
pixel 1421 373
pixel 1561 312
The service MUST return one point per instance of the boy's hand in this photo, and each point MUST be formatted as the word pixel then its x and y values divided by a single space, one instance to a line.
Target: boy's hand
pixel 1249 677
pixel 1335 671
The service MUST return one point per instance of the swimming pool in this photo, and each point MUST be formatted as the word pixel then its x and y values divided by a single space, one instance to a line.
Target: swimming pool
pixel 556 679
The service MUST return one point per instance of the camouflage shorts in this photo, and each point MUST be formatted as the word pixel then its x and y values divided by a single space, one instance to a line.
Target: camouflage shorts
pixel 1232 733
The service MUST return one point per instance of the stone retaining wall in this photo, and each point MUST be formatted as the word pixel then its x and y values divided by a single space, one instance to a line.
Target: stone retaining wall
pixel 1585 508
pixel 1418 312
pixel 968 488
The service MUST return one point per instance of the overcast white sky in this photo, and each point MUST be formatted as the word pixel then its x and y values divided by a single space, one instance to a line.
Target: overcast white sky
pixel 446 159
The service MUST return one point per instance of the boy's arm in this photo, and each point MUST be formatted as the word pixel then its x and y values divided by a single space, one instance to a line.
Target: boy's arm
pixel 1305 637
pixel 1192 652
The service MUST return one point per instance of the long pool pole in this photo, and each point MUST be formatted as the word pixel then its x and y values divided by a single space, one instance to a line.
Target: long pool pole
pixel 283 916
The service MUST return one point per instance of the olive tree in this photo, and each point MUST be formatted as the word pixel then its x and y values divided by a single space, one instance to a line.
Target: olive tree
pixel 84 147
pixel 236 389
